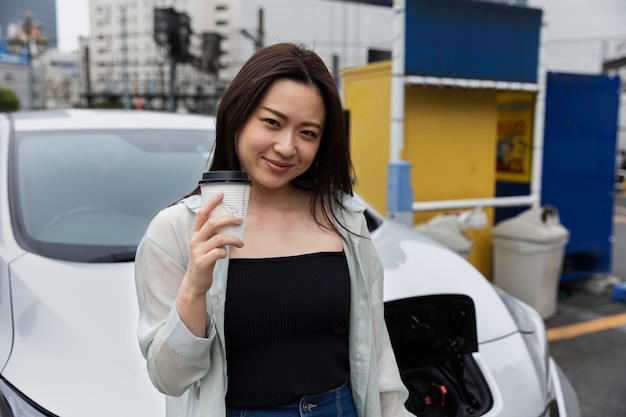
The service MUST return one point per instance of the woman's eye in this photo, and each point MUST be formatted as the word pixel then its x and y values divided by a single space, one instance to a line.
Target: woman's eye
pixel 271 122
pixel 309 133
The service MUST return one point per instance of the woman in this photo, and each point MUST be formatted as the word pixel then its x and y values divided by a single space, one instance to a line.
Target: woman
pixel 300 326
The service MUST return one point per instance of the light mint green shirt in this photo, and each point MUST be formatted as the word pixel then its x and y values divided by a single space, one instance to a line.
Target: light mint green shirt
pixel 191 371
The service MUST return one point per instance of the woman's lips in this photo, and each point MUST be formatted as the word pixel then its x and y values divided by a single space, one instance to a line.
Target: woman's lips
pixel 278 165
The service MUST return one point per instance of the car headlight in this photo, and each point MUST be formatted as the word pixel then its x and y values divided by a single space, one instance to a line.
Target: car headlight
pixel 14 404
pixel 533 331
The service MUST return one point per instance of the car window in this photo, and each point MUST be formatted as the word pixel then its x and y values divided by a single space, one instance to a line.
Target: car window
pixel 88 196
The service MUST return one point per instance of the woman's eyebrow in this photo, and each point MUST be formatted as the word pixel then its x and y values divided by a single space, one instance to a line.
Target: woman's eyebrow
pixel 276 112
pixel 284 116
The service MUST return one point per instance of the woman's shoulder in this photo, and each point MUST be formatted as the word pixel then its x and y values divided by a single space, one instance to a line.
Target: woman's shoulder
pixel 352 205
pixel 350 213
pixel 179 215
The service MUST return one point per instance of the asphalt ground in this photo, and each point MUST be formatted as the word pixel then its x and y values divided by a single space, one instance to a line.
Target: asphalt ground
pixel 587 335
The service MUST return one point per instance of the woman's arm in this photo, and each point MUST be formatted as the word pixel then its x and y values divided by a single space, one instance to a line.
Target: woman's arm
pixel 175 357
pixel 173 273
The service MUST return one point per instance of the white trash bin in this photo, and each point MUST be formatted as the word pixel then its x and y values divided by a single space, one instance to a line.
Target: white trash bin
pixel 528 257
pixel 446 229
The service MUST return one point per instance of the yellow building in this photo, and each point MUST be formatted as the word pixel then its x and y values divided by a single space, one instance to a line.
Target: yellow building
pixel 450 142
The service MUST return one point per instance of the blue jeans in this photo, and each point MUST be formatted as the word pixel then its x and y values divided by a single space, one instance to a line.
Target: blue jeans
pixel 334 403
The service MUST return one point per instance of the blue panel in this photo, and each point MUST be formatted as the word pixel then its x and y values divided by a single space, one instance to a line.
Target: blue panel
pixel 510 189
pixel 472 40
pixel 7 57
pixel 580 141
pixel 399 191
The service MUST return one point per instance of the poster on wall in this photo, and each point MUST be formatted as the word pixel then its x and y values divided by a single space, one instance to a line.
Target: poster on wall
pixel 9 57
pixel 514 140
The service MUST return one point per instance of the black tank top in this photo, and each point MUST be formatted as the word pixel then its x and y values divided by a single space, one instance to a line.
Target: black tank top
pixel 286 328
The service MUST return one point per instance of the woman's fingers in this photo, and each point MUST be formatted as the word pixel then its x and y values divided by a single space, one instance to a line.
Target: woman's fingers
pixel 203 254
pixel 205 210
pixel 207 244
pixel 214 225
pixel 205 226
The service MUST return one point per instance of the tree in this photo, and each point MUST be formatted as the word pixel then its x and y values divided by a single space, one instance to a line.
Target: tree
pixel 211 52
pixel 8 100
pixel 108 103
pixel 172 30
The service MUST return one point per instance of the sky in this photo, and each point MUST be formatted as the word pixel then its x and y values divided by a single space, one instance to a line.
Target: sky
pixel 579 34
pixel 72 22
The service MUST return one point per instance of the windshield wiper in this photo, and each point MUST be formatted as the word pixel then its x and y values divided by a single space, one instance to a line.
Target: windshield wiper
pixel 115 257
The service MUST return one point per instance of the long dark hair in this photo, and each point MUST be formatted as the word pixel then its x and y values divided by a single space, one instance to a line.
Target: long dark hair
pixel 331 174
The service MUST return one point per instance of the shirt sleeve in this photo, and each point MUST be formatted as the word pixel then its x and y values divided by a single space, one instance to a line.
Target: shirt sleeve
pixel 175 357
pixel 393 393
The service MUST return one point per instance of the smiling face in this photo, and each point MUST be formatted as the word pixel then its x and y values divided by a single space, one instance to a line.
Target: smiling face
pixel 280 139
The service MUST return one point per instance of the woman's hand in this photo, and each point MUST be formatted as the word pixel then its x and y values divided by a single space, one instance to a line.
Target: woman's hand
pixel 206 246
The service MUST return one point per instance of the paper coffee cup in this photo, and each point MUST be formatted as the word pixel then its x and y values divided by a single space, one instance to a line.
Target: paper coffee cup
pixel 236 188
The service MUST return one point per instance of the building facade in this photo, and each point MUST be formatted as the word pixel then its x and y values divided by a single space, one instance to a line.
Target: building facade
pixel 61 79
pixel 123 59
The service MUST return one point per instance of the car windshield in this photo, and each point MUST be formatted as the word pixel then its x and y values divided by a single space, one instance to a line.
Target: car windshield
pixel 88 196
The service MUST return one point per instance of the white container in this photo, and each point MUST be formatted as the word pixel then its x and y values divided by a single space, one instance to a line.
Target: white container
pixel 528 255
pixel 446 229
pixel 236 188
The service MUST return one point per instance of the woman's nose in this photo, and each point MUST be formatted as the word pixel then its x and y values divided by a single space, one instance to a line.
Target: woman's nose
pixel 285 143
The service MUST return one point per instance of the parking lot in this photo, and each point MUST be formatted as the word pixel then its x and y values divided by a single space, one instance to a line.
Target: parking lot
pixel 588 334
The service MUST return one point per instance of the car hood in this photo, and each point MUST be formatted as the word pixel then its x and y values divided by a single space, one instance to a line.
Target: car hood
pixel 75 339
pixel 69 349
pixel 416 265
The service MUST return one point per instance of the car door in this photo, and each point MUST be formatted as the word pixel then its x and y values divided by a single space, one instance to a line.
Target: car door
pixel 8 248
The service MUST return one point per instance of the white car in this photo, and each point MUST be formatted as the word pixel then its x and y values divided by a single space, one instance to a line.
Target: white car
pixel 77 190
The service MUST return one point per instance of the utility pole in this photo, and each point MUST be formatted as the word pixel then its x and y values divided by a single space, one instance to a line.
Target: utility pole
pixel 335 71
pixel 171 99
pixel 257 38
pixel 87 73
pixel 28 31
pixel 260 34
pixel 123 21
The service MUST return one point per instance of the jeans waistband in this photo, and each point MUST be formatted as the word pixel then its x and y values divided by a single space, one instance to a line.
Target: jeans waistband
pixel 314 403
pixel 326 397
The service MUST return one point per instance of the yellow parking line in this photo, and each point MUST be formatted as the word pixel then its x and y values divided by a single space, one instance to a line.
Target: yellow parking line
pixel 585 327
